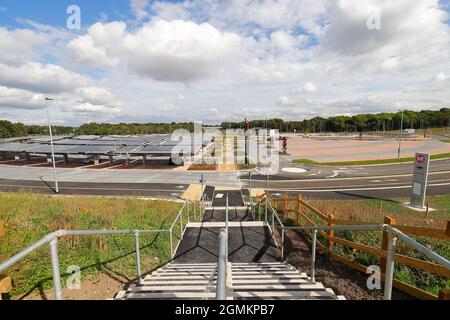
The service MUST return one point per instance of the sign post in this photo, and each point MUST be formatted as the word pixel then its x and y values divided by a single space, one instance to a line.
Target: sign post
pixel 420 179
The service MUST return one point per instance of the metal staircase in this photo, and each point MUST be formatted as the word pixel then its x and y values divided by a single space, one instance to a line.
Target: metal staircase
pixel 234 275
pixel 275 280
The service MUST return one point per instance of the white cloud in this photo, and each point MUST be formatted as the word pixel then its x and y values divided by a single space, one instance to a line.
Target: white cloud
pixel 165 50
pixel 46 78
pixel 97 49
pixel 20 99
pixel 178 50
pixel 91 108
pixel 441 76
pixel 285 101
pixel 19 45
pixel 308 87
pixel 139 8
pixel 98 96
pixel 407 28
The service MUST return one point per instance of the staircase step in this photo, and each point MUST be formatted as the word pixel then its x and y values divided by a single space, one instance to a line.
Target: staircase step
pixel 182 273
pixel 179 282
pixel 258 263
pixel 287 287
pixel 185 277
pixel 190 268
pixel 170 295
pixel 284 294
pixel 192 264
pixel 172 288
pixel 245 272
pixel 269 276
pixel 271 281
pixel 237 269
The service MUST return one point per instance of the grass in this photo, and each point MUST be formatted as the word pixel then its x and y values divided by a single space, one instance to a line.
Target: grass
pixel 243 166
pixel 445 140
pixel 369 162
pixel 26 218
pixel 374 211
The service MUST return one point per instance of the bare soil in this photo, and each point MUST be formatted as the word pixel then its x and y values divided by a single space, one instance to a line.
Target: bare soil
pixel 101 288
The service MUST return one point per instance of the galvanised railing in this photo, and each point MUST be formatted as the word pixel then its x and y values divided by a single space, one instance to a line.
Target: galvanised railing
pixel 393 235
pixel 222 264
pixel 52 240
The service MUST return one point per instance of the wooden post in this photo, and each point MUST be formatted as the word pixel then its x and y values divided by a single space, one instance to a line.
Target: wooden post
pixel 384 244
pixel 330 241
pixel 299 209
pixel 444 294
pixel 5 285
pixel 447 230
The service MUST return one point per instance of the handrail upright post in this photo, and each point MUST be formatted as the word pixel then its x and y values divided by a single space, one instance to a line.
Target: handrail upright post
pixel 313 257
pixel 171 243
pixel 267 206
pixel 138 258
pixel 390 264
pixel 273 221
pixel 195 212
pixel 282 243
pixel 222 267
pixel 181 224
pixel 55 269
pixel 226 225
pixel 187 209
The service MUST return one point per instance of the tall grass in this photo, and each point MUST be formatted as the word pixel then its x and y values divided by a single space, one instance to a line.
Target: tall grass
pixel 26 218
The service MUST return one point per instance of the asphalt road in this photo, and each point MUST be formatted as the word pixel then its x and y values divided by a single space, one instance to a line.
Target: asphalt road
pixel 387 181
pixel 151 190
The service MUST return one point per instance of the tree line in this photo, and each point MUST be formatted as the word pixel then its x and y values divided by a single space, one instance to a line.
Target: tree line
pixel 363 122
pixel 359 123
pixel 9 129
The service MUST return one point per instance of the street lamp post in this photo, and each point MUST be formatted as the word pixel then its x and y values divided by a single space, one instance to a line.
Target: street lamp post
pixel 51 143
pixel 400 140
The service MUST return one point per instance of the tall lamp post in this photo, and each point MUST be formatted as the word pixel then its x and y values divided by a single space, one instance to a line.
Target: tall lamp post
pixel 400 140
pixel 51 143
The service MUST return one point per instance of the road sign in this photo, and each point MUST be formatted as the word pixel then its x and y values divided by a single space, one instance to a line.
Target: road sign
pixel 420 179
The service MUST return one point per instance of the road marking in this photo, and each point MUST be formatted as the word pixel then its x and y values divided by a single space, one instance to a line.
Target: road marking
pixel 357 189
pixel 369 186
pixel 81 188
pixel 361 178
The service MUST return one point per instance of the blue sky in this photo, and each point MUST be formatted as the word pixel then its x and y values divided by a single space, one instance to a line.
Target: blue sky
pixel 212 61
pixel 53 12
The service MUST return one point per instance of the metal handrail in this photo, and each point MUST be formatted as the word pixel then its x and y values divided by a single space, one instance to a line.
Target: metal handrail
pixel 222 266
pixel 53 237
pixel 393 235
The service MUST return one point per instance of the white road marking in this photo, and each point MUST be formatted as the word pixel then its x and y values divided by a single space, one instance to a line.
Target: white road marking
pixel 388 180
pixel 357 189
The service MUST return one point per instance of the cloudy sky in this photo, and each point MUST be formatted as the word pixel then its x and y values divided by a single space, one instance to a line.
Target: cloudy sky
pixel 217 60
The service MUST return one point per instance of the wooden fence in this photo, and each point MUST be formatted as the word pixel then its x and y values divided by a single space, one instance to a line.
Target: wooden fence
pixel 296 209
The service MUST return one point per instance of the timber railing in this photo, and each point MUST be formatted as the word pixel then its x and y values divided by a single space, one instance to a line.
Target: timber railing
pixel 314 222
pixel 52 240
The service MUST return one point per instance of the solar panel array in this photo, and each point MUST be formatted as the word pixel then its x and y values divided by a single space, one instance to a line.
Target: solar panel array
pixel 108 145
